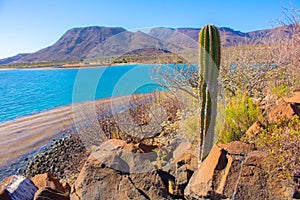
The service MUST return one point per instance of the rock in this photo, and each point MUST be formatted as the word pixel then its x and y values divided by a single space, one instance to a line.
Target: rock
pixel 256 182
pixel 283 111
pixel 47 180
pixel 293 99
pixel 186 153
pixel 175 179
pixel 49 187
pixel 252 183
pixel 235 171
pixel 177 173
pixel 113 172
pixel 146 148
pixel 57 158
pixel 237 148
pixel 202 183
pixel 17 187
pixel 254 130
pixel 4 195
pixel 49 194
pixel 67 187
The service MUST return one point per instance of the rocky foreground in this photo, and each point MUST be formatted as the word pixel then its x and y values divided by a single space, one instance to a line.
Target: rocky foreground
pixel 117 170
pixel 120 170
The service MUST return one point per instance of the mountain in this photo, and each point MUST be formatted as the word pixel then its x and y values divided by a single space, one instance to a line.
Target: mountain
pixel 96 41
pixel 229 37
pixel 13 58
pixel 75 44
pixel 92 42
pixel 127 41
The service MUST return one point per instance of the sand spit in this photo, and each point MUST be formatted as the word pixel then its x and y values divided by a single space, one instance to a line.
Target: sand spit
pixel 26 134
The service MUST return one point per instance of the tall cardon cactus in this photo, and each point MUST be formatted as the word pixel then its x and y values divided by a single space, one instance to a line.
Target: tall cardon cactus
pixel 209 64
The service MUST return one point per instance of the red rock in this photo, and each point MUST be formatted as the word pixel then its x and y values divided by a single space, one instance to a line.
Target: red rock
pixel 146 148
pixel 236 173
pixel 187 153
pixel 48 193
pixel 67 187
pixel 117 143
pixel 283 111
pixel 254 129
pixel 47 180
pixel 237 148
pixel 4 195
pixel 294 99
pixel 201 183
pixel 50 187
pixel 113 173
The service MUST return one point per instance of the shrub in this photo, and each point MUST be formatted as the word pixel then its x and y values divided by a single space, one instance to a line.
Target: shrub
pixel 281 141
pixel 241 113
pixel 280 91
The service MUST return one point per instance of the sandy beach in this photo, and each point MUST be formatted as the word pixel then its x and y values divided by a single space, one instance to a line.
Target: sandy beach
pixel 26 134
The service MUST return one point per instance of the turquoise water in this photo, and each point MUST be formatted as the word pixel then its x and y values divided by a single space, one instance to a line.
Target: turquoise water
pixel 28 91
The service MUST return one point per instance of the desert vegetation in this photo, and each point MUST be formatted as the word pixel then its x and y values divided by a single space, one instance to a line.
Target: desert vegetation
pixel 281 141
pixel 254 78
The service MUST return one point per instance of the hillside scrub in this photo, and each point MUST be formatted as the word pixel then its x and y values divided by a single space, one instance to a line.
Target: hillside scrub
pixel 270 63
pixel 281 141
pixel 241 113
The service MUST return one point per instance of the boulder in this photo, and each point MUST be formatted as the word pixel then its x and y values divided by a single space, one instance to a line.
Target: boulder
pixel 293 99
pixel 4 195
pixel 285 110
pixel 203 183
pixel 177 173
pixel 237 148
pixel 115 171
pixel 49 187
pixel 67 187
pixel 17 187
pixel 146 148
pixel 49 181
pixel 235 171
pixel 254 130
pixel 49 194
pixel 186 153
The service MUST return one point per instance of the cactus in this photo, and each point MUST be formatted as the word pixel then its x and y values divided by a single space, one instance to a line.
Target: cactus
pixel 209 64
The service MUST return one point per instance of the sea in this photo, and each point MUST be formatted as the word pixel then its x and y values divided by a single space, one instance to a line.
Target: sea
pixel 29 91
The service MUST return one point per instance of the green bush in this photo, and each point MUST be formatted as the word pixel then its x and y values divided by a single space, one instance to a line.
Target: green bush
pixel 240 113
pixel 281 141
pixel 281 90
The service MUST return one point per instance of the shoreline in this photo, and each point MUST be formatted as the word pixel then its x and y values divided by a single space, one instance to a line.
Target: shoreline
pixel 27 134
pixel 57 67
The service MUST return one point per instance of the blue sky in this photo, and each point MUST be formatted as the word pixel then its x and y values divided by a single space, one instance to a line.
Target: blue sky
pixel 29 25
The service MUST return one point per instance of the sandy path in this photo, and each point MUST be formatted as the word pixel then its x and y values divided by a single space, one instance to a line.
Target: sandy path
pixel 26 134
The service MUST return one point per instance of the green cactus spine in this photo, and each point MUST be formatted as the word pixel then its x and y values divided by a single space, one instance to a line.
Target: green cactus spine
pixel 209 64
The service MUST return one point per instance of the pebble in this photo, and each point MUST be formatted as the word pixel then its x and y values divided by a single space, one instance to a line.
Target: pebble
pixel 63 157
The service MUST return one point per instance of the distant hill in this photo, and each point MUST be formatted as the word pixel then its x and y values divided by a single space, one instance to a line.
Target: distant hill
pixel 96 41
pixel 229 37
pixel 75 44
pixel 128 42
pixel 13 58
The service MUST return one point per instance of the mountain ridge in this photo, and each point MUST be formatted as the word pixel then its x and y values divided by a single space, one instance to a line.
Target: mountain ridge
pixel 94 41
